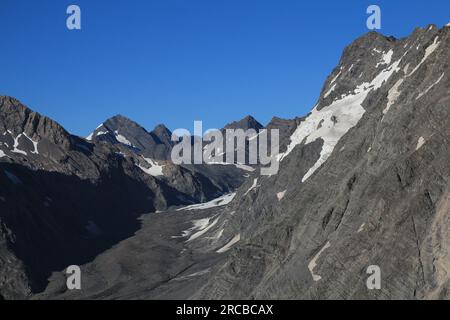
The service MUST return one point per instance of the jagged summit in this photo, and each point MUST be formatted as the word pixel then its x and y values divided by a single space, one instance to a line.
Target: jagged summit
pixel 163 134
pixel 363 181
pixel 17 120
pixel 246 123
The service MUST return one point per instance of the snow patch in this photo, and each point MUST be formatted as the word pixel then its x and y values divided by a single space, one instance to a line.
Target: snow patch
pixel 192 275
pixel 337 119
pixel 393 95
pixel 330 91
pixel 16 144
pixel 217 235
pixel 201 226
pixel 254 186
pixel 244 167
pixel 386 58
pixel 219 202
pixel 428 51
pixel 361 228
pixel 430 87
pixel 122 139
pixel 228 246
pixel 406 68
pixel 2 154
pixel 420 143
pixel 280 195
pixel 335 78
pixel 154 170
pixel 35 144
pixel 313 262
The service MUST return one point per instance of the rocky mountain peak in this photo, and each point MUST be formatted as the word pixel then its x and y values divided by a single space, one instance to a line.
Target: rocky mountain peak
pixel 16 119
pixel 246 123
pixel 162 134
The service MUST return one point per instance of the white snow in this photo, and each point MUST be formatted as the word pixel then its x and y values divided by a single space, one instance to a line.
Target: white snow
pixel 222 201
pixel 361 228
pixel 89 137
pixel 2 154
pixel 12 177
pixel 430 87
pixel 405 70
pixel 35 144
pixel 16 144
pixel 218 235
pixel 420 143
pixel 335 78
pixel 280 195
pixel 198 225
pixel 122 139
pixel 154 170
pixel 228 246
pixel 244 167
pixel 330 91
pixel 428 51
pixel 393 95
pixel 448 24
pixel 201 226
pixel 192 275
pixel 313 262
pixel 347 111
pixel 100 133
pixel 386 58
pixel 254 186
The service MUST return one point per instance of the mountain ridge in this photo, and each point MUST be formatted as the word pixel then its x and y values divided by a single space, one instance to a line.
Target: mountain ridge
pixel 363 181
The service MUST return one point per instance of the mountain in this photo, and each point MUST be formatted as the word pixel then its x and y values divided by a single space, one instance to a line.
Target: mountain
pixel 65 199
pixel 245 124
pixel 156 144
pixel 363 181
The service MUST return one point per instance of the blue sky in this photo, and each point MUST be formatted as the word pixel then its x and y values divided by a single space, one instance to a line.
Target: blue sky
pixel 176 61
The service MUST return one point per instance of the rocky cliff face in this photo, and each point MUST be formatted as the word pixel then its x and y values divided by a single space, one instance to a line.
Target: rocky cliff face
pixel 64 199
pixel 363 180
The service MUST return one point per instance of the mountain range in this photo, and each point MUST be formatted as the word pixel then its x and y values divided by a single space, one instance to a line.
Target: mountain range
pixel 363 181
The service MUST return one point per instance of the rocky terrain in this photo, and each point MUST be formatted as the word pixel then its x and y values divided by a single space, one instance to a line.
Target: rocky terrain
pixel 363 180
pixel 65 199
